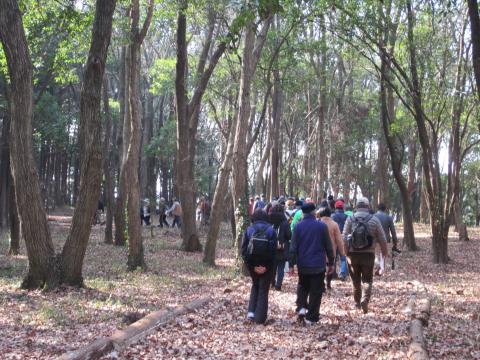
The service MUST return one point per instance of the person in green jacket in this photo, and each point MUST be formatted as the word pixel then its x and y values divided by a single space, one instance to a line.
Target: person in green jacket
pixel 297 215
pixel 348 210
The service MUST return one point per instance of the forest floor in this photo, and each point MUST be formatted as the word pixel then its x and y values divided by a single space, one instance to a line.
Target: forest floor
pixel 44 325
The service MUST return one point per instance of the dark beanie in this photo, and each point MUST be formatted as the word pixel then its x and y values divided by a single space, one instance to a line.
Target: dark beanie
pixel 299 203
pixel 308 208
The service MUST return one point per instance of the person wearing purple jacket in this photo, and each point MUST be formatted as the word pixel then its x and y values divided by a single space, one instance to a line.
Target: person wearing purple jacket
pixel 309 248
pixel 261 268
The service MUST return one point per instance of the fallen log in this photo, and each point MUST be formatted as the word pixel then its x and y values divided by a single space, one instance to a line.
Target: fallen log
pixel 417 349
pixel 131 334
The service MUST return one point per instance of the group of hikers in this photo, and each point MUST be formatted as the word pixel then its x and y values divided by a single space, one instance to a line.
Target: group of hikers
pixel 313 239
pixel 163 210
pixel 175 210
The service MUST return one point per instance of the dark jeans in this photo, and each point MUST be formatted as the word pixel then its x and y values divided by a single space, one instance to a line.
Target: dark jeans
pixel 360 268
pixel 309 294
pixel 163 221
pixel 279 273
pixel 258 303
pixel 177 221
pixel 146 220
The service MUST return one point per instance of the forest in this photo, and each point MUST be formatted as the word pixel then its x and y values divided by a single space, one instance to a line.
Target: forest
pixel 114 114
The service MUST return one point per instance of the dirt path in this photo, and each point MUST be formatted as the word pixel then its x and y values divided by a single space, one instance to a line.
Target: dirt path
pixel 220 332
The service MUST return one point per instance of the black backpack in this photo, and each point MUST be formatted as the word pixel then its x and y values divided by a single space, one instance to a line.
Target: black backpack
pixel 361 238
pixel 260 246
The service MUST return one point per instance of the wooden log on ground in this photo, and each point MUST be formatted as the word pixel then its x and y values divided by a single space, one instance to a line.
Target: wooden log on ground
pixel 417 349
pixel 424 309
pixel 131 334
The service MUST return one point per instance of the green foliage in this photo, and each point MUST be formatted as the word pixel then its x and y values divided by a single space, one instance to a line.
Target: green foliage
pixel 49 124
pixel 162 75
pixel 163 144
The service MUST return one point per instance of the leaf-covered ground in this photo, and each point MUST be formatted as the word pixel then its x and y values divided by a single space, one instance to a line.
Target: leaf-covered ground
pixel 44 325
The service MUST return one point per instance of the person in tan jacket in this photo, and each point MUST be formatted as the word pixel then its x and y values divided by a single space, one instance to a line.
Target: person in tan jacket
pixel 361 233
pixel 324 214
pixel 176 211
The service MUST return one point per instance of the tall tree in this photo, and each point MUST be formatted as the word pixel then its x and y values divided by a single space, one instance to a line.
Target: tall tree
pixel 90 145
pixel 387 39
pixel 188 114
pixel 131 161
pixel 40 250
pixel 108 165
pixel 475 36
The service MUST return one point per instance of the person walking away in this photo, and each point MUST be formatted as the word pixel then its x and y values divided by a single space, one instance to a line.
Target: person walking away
pixel 297 214
pixel 361 233
pixel 162 211
pixel 388 226
pixel 340 217
pixel 176 211
pixel 348 211
pixel 259 203
pixel 258 253
pixel 251 204
pixel 335 236
pixel 282 229
pixel 310 247
pixel 146 212
pixel 331 202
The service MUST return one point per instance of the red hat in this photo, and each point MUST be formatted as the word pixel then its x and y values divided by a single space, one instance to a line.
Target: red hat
pixel 339 204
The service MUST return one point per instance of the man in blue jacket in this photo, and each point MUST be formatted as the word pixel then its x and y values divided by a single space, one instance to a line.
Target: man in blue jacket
pixel 309 249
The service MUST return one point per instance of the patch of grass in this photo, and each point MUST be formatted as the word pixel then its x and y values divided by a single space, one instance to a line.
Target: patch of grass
pixel 101 284
pixel 48 314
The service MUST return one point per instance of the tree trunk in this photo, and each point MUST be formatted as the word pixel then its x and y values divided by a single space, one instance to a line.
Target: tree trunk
pixel 188 115
pixel 135 244
pixel 14 221
pixel 387 118
pixel 40 250
pixel 277 100
pixel 475 35
pixel 4 170
pixel 259 180
pixel 251 54
pixel 218 204
pixel 122 144
pixel 91 145
pixel 108 165
pixel 382 173
pixel 184 176
pixel 148 160
pixel 439 220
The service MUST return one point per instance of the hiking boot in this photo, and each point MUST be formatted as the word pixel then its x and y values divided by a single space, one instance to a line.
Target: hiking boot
pixel 367 293
pixel 358 306
pixel 301 315
pixel 396 250
pixel 278 288
pixel 364 306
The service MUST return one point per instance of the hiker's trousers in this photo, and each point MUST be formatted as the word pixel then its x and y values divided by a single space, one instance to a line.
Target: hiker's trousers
pixel 258 303
pixel 309 294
